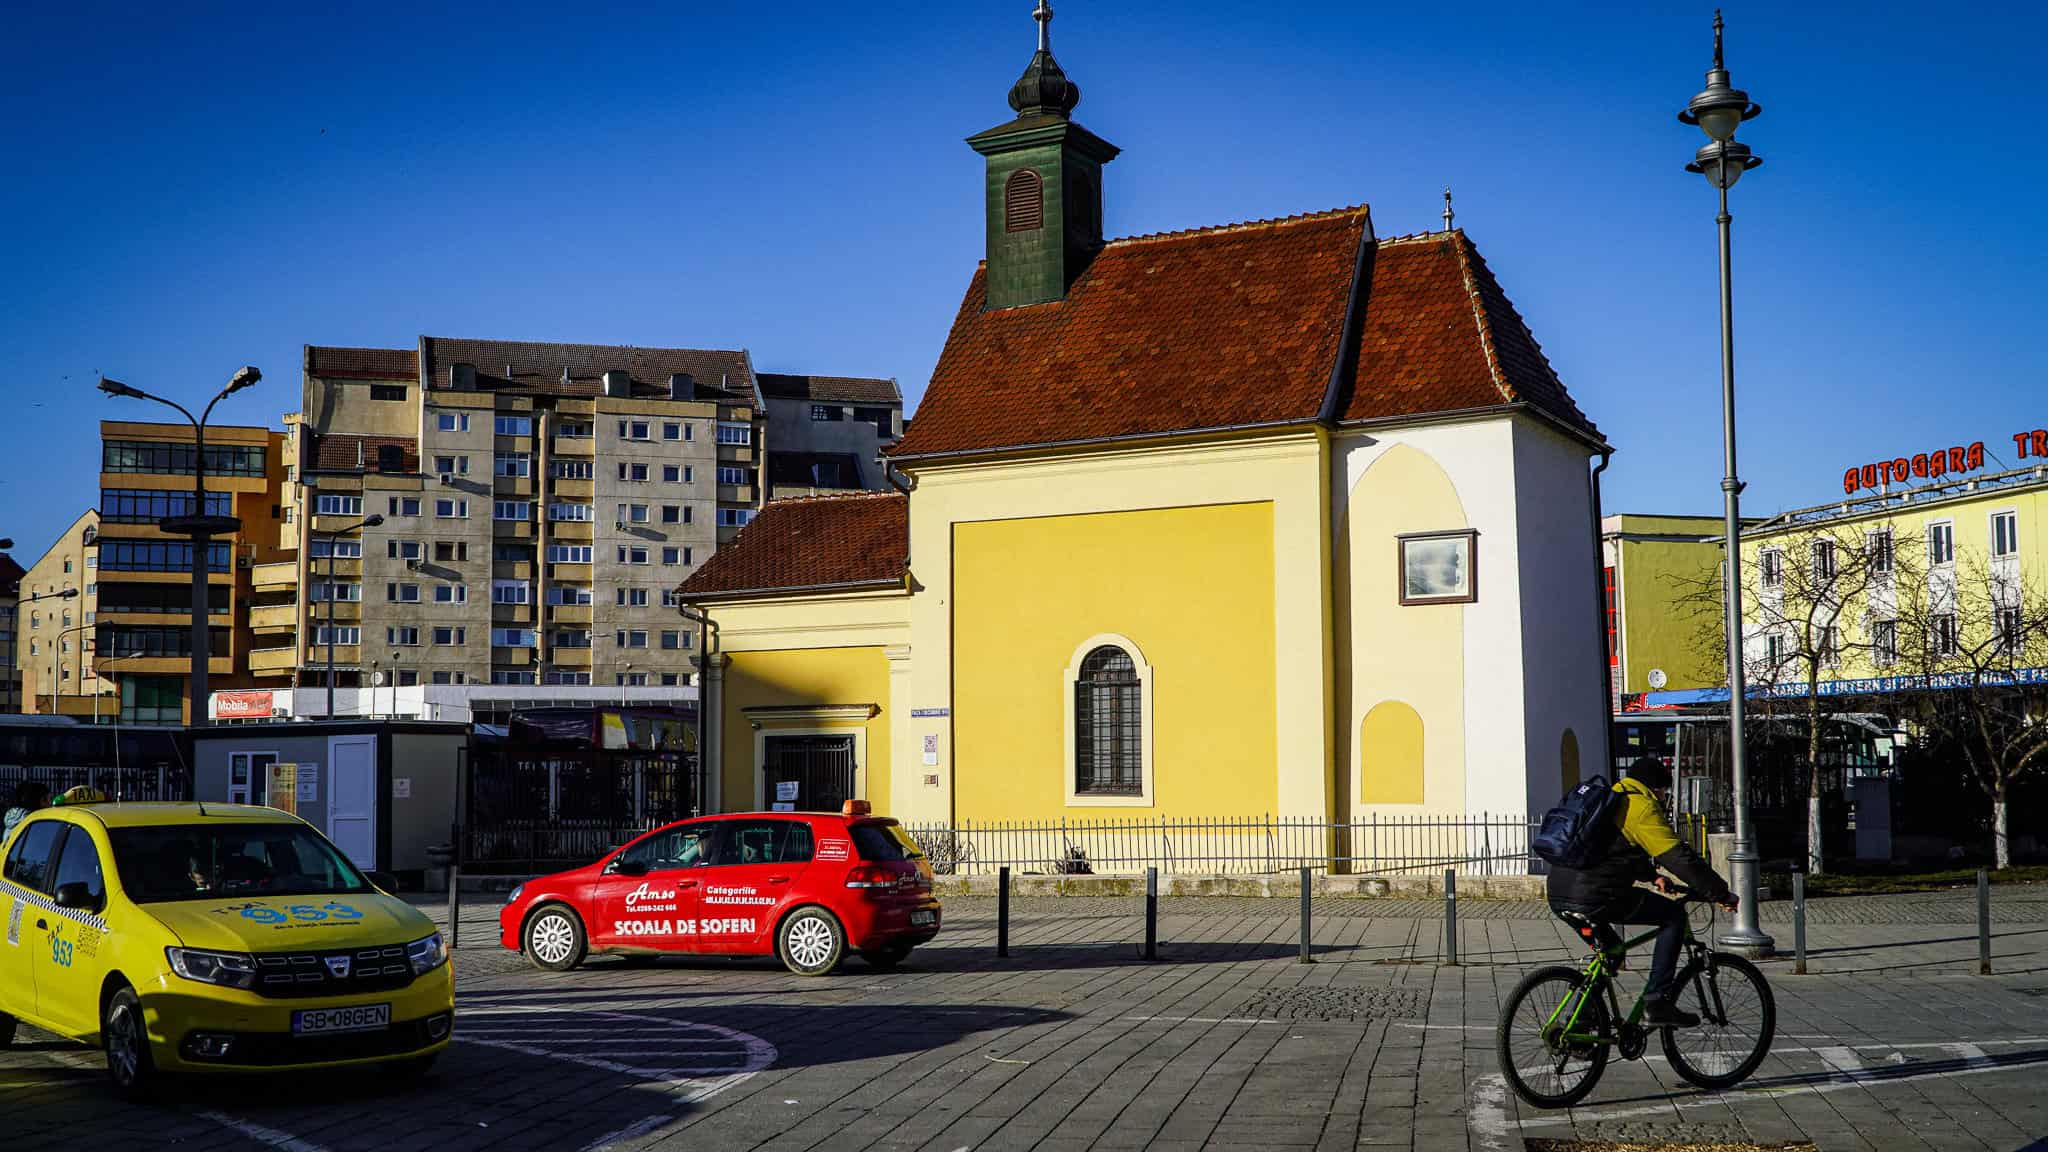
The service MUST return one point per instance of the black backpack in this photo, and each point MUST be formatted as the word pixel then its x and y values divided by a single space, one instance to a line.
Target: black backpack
pixel 1579 831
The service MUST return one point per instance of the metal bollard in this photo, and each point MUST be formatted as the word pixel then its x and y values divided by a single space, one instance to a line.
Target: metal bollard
pixel 1151 913
pixel 1451 917
pixel 1799 923
pixel 1305 892
pixel 1003 911
pixel 1983 922
pixel 454 903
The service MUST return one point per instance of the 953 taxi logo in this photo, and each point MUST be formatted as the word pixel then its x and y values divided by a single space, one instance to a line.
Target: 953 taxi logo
pixel 295 915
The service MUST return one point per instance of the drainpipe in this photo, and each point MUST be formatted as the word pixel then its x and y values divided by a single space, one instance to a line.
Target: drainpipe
pixel 1606 712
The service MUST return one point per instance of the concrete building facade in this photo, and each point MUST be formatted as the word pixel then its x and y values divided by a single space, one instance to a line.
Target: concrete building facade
pixel 49 652
pixel 826 433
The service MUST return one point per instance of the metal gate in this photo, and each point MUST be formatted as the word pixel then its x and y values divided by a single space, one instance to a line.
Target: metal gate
pixel 820 768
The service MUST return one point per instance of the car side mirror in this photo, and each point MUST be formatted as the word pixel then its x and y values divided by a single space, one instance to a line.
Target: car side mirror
pixel 629 868
pixel 383 880
pixel 76 894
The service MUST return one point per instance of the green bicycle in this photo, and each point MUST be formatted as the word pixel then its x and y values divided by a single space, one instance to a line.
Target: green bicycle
pixel 1560 1022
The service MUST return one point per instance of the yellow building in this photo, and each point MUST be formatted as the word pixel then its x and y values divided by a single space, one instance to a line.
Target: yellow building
pixel 1653 563
pixel 58 598
pixel 1272 518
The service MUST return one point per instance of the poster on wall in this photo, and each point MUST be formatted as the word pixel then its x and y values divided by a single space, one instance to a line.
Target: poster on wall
pixel 255 704
pixel 283 790
pixel 309 783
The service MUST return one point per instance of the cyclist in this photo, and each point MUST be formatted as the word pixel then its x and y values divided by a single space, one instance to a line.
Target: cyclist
pixel 1606 891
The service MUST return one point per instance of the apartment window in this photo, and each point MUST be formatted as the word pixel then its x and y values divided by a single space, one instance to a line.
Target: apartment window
pixel 671 556
pixel 512 553
pixel 560 512
pixel 447 551
pixel 633 430
pixel 1880 547
pixel 671 474
pixel 147 506
pixel 387 391
pixel 827 412
pixel 632 513
pixel 1774 649
pixel 734 517
pixel 404 506
pixel 515 510
pixel 323 591
pixel 567 594
pixel 730 475
pixel 730 432
pixel 2005 534
pixel 339 634
pixel 398 593
pixel 447 509
pixel 1943 639
pixel 337 547
pixel 1884 640
pixel 402 549
pixel 507 676
pixel 511 592
pixel 451 594
pixel 1823 561
pixel 571 469
pixel 450 678
pixel 408 678
pixel 513 463
pixel 632 597
pixel 671 640
pixel 1941 544
pixel 449 465
pixel 402 637
pixel 512 637
pixel 568 553
pixel 576 430
pixel 159 640
pixel 157 457
pixel 631 637
pixel 1773 568
pixel 672 431
pixel 635 472
pixel 671 514
pixel 92 561
pixel 630 679
pixel 2006 625
pixel 883 419
pixel 515 425
pixel 632 555
pixel 451 421
pixel 669 680
pixel 447 637
pixel 572 638
pixel 338 506
pixel 566 678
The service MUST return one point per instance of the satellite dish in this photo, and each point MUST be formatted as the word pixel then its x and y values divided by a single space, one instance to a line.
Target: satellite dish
pixel 377 679
pixel 1657 679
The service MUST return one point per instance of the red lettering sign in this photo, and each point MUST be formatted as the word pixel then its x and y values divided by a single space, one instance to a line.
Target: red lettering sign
pixel 1940 462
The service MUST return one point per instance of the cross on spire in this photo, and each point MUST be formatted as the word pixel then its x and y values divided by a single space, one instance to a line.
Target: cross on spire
pixel 1043 14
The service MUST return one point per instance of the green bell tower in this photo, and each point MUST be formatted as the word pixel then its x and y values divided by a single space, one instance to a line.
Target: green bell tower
pixel 1044 188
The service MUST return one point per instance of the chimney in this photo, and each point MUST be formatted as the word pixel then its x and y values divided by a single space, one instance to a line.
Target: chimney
pixel 681 386
pixel 462 377
pixel 618 383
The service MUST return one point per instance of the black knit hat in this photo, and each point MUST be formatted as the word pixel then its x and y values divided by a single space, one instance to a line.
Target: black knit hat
pixel 1651 771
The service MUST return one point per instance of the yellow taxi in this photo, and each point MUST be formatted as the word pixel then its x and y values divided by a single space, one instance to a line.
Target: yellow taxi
pixel 186 937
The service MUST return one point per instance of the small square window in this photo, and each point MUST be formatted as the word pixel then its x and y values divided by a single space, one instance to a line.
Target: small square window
pixel 1438 567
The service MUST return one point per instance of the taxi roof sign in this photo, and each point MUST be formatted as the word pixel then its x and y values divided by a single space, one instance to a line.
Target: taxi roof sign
pixel 82 794
pixel 856 808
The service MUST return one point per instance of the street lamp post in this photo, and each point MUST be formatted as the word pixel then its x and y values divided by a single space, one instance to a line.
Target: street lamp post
pixel 201 527
pixel 1717 111
pixel 370 521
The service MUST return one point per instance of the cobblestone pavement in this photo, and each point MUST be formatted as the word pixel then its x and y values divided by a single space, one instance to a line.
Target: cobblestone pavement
pixel 1073 1042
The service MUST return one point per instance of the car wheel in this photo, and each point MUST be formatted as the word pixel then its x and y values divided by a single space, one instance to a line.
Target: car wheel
pixel 408 1072
pixel 554 939
pixel 811 942
pixel 129 1063
pixel 888 957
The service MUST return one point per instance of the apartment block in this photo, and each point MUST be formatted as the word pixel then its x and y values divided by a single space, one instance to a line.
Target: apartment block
pixel 50 634
pixel 825 433
pixel 11 574
pixel 540 502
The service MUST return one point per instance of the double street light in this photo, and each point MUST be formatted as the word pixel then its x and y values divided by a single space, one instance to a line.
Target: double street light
pixel 201 527
pixel 1718 110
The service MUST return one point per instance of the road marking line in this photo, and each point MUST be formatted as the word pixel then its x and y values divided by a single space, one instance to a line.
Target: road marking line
pixel 632 1131
pixel 262 1135
pixel 1972 1055
pixel 1840 1059
pixel 1203 1020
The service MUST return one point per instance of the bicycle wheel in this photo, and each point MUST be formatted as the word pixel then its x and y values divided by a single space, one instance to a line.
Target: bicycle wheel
pixel 1539 1066
pixel 1738 1017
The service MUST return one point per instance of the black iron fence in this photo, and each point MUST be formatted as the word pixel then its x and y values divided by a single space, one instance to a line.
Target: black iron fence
pixel 541 808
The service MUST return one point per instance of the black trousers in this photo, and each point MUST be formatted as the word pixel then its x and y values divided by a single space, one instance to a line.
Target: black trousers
pixel 1644 907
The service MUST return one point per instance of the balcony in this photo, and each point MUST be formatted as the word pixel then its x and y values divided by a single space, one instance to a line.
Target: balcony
pixel 345 611
pixel 277 661
pixel 736 454
pixel 270 618
pixel 502 614
pixel 574 490
pixel 569 657
pixel 278 577
pixel 515 657
pixel 736 494
pixel 569 613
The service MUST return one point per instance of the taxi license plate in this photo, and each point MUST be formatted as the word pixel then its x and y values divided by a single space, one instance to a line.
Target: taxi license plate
pixel 921 916
pixel 362 1018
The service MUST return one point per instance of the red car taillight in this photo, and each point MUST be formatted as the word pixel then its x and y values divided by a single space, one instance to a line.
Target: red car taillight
pixel 872 878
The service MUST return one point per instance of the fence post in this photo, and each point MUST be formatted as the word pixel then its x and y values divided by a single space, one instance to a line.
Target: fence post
pixel 1451 917
pixel 1799 922
pixel 1983 922
pixel 1305 891
pixel 1003 911
pixel 1151 913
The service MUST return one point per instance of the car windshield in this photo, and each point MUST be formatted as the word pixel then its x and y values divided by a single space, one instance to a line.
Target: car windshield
pixel 205 861
pixel 885 841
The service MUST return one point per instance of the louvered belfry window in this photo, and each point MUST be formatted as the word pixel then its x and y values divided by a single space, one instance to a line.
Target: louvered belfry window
pixel 1023 201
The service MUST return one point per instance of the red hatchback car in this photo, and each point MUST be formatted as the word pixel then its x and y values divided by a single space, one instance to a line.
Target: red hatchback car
pixel 805 886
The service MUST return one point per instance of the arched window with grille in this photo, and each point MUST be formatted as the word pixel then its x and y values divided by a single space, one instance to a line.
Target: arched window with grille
pixel 1023 201
pixel 1109 721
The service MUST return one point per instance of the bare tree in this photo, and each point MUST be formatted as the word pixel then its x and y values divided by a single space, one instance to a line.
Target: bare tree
pixel 1973 639
pixel 1814 597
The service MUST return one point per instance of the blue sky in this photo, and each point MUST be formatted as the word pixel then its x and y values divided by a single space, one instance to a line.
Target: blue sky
pixel 195 187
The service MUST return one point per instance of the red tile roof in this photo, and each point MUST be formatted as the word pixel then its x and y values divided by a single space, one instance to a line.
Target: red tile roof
pixel 849 389
pixel 811 542
pixel 1238 325
pixel 362 363
pixel 334 453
